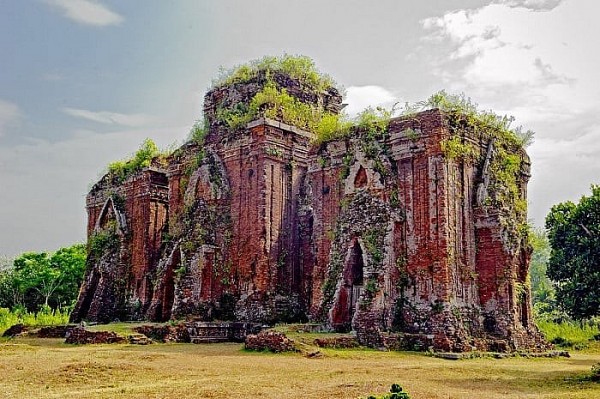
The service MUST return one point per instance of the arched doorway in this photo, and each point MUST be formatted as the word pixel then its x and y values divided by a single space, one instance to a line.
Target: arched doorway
pixel 351 288
pixel 353 278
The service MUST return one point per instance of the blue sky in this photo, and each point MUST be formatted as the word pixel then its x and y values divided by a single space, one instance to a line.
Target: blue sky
pixel 83 82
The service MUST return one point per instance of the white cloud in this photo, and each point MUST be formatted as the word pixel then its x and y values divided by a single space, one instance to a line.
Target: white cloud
pixel 360 97
pixel 9 116
pixel 87 12
pixel 536 5
pixel 111 118
pixel 540 67
pixel 512 58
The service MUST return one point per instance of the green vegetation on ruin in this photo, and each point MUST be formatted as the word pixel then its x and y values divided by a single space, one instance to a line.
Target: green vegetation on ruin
pixel 468 125
pixel 274 101
pixel 103 241
pixel 298 67
pixel 148 151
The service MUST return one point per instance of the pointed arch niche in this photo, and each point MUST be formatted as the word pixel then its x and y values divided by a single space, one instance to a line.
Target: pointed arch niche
pixel 351 288
pixel 109 213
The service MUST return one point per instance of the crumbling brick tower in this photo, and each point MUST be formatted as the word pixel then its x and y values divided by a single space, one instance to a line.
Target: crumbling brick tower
pixel 410 225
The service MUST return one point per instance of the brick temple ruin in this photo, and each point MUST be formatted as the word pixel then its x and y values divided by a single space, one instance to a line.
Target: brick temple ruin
pixel 382 236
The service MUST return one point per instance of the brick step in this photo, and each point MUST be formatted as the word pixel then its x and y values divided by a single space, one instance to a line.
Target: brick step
pixel 138 339
pixel 207 340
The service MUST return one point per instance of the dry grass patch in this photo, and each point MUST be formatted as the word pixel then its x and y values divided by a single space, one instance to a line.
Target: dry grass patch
pixel 47 369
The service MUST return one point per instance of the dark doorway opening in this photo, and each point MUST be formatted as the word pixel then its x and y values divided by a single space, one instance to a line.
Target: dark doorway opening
pixel 354 279
pixel 351 289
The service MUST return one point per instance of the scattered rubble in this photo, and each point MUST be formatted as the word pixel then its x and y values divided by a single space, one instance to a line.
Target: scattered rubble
pixel 82 336
pixel 272 341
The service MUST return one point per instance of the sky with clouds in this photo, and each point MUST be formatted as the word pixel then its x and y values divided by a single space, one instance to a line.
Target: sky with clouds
pixel 84 82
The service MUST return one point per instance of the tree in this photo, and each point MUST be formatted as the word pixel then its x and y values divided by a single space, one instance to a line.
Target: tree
pixel 541 286
pixel 71 263
pixel 34 279
pixel 10 293
pixel 43 279
pixel 574 266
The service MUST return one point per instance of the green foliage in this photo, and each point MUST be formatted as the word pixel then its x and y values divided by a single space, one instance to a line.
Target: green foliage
pixel 7 319
pixel 298 67
pixel 374 121
pixel 336 263
pixel 44 317
pixel 236 117
pixel 569 334
pixel 485 122
pixel 70 261
pixel 574 234
pixel 370 125
pixel 198 132
pixel 396 392
pixel 43 279
pixel 458 148
pixel 437 307
pixel 103 241
pixel 331 127
pixel 371 287
pixel 121 170
pixel 373 241
pixel 542 290
pixel 275 103
pixel 412 134
pixel 346 162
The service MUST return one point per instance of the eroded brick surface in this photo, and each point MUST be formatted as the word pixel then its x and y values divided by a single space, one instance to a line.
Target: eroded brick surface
pixel 374 235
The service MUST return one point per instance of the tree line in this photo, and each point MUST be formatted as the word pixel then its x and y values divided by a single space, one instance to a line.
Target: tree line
pixel 37 280
pixel 565 265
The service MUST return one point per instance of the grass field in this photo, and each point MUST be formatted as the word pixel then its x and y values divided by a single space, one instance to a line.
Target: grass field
pixel 47 368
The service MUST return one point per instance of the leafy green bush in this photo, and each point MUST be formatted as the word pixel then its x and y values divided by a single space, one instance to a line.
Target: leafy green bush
pixel 198 132
pixel 121 170
pixel 457 148
pixel 102 241
pixel 396 392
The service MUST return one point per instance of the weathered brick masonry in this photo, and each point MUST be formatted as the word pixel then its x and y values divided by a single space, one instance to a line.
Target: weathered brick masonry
pixel 379 236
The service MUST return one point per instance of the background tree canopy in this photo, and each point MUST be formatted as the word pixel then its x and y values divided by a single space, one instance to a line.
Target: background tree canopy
pixel 43 279
pixel 574 265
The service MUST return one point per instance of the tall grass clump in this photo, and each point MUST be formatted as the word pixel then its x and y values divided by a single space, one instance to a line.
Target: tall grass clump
pixel 7 319
pixel 569 334
pixel 45 317
pixel 298 67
